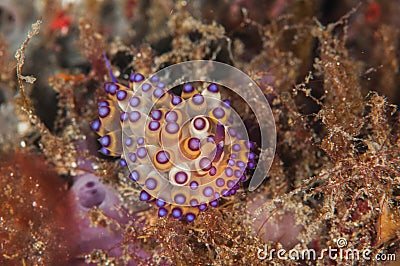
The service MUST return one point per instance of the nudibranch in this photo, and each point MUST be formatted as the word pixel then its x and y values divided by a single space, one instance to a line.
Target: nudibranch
pixel 185 151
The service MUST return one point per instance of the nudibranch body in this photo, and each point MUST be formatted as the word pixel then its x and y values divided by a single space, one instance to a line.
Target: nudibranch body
pixel 185 151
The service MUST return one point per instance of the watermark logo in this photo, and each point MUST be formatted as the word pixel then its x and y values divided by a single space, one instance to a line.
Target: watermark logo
pixel 341 242
pixel 339 253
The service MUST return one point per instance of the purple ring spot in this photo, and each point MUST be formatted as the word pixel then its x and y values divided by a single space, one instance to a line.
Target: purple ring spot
pixel 112 89
pixel 156 114
pixel 103 103
pixel 214 203
pixel 188 88
pixel 194 185
pixel 124 116
pixel 181 177
pixel 230 183
pixel 249 145
pixel 134 101
pixel 151 183
pixel 121 95
pixel 171 116
pixel 202 207
pixel 106 86
pixel 162 212
pixel 162 157
pixel 134 116
pixel 154 125
pixel 179 198
pixel 236 147
pixel 123 162
pixel 104 151
pixel 160 85
pixel 132 157
pixel 176 213
pixel 146 87
pixel 232 131
pixel 140 140
pixel 176 100
pixel 213 87
pixel 228 172
pixel 251 155
pixel 144 196
pixel 104 111
pixel 136 77
pixel 241 164
pixel 238 173
pixel 218 113
pixel 198 99
pixel 251 165
pixel 134 175
pixel 194 144
pixel 190 217
pixel 160 203
pixel 105 140
pixel 194 202
pixel 158 93
pixel 220 182
pixel 208 191
pixel 199 123
pixel 172 128
pixel 95 125
pixel 132 77
pixel 154 79
pixel 141 152
pixel 213 171
pixel 225 192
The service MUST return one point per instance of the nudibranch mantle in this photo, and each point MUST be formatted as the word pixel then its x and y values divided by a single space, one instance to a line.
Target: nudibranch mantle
pixel 185 151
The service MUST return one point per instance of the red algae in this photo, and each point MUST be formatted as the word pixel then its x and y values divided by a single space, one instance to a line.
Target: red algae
pixel 35 226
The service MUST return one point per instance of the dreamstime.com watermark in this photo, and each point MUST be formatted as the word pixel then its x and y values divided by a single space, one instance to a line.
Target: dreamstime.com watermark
pixel 339 253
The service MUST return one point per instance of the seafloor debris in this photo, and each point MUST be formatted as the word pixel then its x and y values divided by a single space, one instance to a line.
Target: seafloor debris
pixel 329 70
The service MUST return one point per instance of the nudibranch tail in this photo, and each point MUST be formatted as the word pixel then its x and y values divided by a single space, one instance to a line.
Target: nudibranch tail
pixel 186 151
